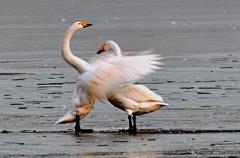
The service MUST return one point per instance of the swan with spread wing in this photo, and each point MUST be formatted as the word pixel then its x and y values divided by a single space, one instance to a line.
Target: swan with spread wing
pixel 95 82
pixel 132 98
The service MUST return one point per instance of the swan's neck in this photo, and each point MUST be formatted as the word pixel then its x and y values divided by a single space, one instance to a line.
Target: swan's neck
pixel 116 49
pixel 77 63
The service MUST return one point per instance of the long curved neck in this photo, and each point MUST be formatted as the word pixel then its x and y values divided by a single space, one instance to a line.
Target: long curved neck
pixel 77 63
pixel 116 49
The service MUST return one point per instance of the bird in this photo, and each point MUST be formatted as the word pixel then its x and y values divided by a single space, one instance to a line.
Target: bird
pixel 77 110
pixel 132 98
pixel 95 82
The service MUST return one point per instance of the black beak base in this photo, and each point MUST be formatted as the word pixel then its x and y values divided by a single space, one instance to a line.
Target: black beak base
pixel 99 52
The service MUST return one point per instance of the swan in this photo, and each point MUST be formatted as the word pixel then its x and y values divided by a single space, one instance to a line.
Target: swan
pixel 132 98
pixel 96 82
pixel 77 111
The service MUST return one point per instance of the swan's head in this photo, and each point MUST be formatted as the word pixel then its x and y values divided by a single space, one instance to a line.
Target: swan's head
pixel 80 25
pixel 108 45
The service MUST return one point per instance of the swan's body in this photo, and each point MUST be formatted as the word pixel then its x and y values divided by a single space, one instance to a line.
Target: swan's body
pixel 134 99
pixel 101 80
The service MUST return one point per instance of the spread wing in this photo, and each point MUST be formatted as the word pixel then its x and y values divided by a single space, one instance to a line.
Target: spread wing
pixel 113 71
pixel 96 60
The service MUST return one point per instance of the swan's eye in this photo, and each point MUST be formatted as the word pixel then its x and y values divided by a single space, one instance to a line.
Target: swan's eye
pixel 79 23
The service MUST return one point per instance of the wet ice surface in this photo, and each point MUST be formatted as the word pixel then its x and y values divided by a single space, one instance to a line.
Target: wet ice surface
pixel 199 79
pixel 203 94
pixel 119 145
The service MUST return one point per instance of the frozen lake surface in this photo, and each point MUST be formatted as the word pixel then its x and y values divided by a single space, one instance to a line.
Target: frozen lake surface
pixel 199 41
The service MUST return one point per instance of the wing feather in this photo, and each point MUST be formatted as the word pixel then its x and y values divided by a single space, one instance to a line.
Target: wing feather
pixel 121 69
pixel 96 60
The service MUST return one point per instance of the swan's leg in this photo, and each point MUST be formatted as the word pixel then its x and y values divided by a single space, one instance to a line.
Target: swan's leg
pixel 130 122
pixel 134 129
pixel 130 126
pixel 78 129
pixel 77 126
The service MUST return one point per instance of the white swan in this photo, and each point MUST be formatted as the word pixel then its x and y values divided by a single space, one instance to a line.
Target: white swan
pixel 132 98
pixel 101 80
pixel 77 110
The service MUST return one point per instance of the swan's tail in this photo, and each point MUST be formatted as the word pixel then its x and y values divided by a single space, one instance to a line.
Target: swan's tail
pixel 68 117
pixel 163 104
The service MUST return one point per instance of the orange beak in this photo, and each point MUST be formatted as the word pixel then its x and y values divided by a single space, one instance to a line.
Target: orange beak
pixel 101 50
pixel 85 25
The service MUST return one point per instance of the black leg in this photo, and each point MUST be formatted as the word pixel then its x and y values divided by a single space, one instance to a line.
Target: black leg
pixel 134 129
pixel 78 129
pixel 130 122
pixel 77 126
pixel 130 126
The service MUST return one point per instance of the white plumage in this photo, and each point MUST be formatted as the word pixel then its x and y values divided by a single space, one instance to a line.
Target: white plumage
pixel 132 98
pixel 98 81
